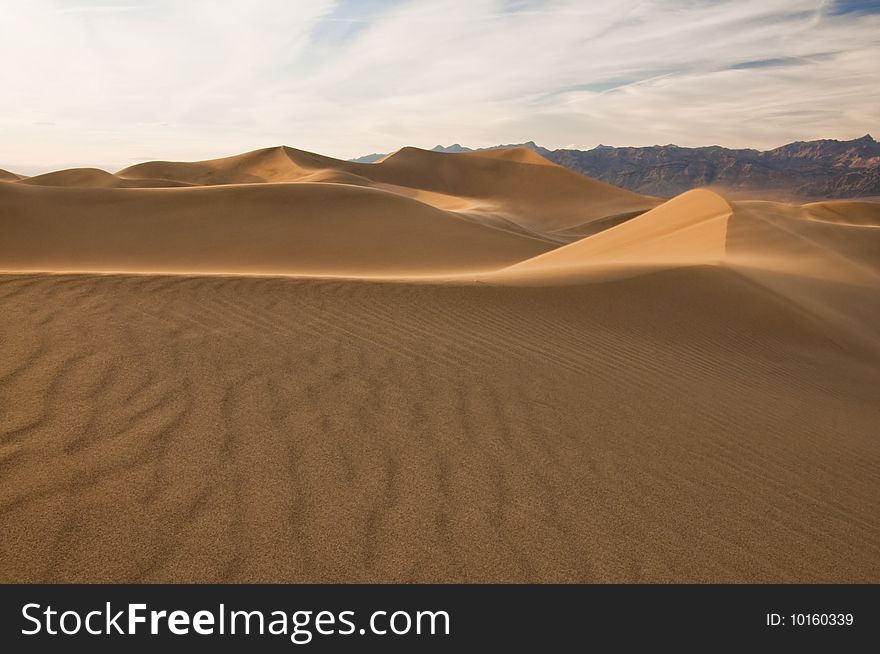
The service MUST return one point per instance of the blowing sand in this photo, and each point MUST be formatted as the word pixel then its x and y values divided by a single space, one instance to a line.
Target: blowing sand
pixel 282 367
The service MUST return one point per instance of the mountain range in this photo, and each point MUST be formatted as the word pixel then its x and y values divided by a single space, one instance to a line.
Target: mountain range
pixel 824 168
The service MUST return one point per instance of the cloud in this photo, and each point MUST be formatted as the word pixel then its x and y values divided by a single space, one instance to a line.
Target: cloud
pixel 207 78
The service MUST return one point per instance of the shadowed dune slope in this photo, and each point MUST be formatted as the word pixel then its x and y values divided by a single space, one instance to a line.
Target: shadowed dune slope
pixel 6 176
pixel 778 235
pixel 831 271
pixel 95 178
pixel 317 229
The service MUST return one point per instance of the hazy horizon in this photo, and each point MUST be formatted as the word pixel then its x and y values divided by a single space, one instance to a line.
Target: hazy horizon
pixel 116 83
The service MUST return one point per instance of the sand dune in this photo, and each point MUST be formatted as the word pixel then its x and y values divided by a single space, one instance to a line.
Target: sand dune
pixel 517 185
pixel 6 176
pixel 260 166
pixel 691 228
pixel 543 197
pixel 685 394
pixel 308 229
pixel 830 270
pixel 702 227
pixel 95 178
pixel 520 155
pixel 787 236
pixel 846 212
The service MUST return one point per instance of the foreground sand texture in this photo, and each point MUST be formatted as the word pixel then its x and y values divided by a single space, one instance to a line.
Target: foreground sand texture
pixel 281 367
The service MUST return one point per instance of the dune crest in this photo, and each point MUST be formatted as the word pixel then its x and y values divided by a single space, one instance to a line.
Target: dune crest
pixel 542 197
pixel 95 178
pixel 691 228
pixel 257 167
pixel 520 155
pixel 304 215
pixel 848 212
pixel 515 186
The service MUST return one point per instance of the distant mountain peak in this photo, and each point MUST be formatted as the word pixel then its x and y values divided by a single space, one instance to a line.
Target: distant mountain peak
pixel 455 147
pixel 369 158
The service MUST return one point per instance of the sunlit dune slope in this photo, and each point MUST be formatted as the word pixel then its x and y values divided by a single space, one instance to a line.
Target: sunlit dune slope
pixel 6 176
pixel 691 228
pixel 702 227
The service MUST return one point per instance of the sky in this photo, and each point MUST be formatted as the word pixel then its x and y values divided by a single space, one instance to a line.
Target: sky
pixel 112 83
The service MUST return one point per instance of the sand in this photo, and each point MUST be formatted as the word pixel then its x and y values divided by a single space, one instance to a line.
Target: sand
pixel 305 228
pixel 288 368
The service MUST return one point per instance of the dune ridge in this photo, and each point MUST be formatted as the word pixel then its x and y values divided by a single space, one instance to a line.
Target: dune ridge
pixel 689 228
pixel 515 186
pixel 848 212
pixel 833 240
pixel 95 178
pixel 478 367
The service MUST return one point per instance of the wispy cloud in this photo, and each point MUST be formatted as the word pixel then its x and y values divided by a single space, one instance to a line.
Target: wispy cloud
pixel 206 78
